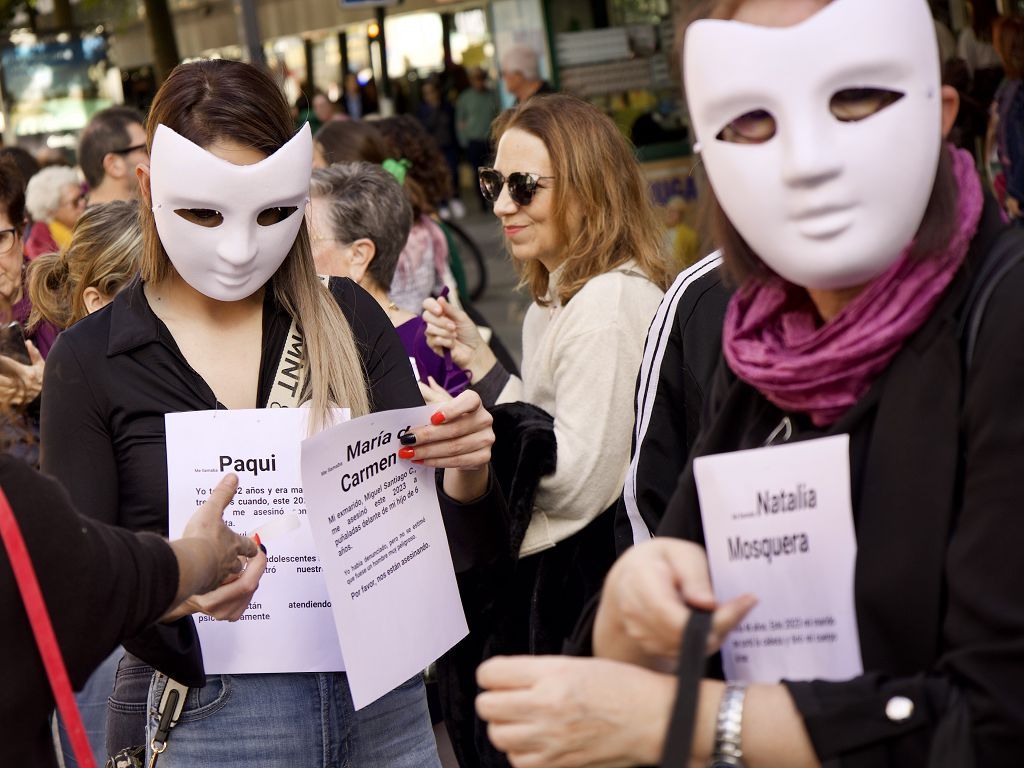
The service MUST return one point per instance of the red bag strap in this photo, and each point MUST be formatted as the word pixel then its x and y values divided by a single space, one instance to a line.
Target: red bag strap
pixel 39 618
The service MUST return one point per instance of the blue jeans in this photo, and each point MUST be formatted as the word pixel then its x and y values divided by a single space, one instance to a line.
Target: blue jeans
pixel 126 707
pixel 92 704
pixel 296 721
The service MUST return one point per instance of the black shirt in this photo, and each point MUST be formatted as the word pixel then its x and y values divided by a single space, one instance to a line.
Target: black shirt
pixel 100 584
pixel 112 377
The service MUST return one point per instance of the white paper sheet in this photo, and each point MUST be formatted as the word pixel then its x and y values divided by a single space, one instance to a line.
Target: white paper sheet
pixel 778 523
pixel 378 527
pixel 288 626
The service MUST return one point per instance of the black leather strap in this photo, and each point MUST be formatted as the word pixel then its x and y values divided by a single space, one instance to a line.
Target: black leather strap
pixel 692 655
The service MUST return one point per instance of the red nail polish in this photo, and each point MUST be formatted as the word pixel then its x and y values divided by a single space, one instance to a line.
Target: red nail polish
pixel 417 461
pixel 406 453
pixel 256 538
pixel 437 419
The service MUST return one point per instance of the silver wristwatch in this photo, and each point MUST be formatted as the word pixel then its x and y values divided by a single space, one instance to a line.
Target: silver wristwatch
pixel 728 752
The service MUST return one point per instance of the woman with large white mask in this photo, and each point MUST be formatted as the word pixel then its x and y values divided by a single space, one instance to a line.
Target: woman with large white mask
pixel 855 238
pixel 226 273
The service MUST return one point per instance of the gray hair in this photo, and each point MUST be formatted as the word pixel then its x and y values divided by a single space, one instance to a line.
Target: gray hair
pixel 42 195
pixel 365 201
pixel 522 59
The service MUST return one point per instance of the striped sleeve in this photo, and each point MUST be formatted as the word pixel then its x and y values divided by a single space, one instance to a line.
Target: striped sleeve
pixel 682 348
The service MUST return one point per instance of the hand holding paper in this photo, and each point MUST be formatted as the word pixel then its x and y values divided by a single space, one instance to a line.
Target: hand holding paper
pixel 644 604
pixel 459 435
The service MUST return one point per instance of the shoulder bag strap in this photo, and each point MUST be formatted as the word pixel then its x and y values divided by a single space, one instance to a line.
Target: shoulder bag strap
pixel 290 376
pixel 39 618
pixel 692 655
pixel 1004 256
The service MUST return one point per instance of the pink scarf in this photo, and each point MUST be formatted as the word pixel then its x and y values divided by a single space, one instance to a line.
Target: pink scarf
pixel 773 339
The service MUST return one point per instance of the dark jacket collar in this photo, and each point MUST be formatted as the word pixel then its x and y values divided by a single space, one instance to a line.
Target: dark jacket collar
pixel 133 323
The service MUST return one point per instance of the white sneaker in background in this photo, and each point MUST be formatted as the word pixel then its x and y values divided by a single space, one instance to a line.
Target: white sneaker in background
pixel 458 209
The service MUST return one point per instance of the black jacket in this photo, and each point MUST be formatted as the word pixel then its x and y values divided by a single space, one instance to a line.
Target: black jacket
pixel 100 584
pixel 683 347
pixel 937 475
pixel 109 381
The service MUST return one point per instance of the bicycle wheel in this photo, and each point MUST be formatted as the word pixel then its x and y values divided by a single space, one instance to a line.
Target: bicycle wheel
pixel 468 254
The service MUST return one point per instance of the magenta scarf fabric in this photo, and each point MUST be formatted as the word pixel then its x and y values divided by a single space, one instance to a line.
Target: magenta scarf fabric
pixel 773 338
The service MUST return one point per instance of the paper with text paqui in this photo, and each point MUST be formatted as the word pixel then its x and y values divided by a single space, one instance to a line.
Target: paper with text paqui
pixel 778 523
pixel 288 626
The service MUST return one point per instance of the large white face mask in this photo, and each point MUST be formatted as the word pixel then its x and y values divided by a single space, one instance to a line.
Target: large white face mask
pixel 226 227
pixel 821 140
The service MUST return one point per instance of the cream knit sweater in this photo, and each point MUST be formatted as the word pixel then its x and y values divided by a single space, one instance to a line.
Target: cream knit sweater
pixel 580 363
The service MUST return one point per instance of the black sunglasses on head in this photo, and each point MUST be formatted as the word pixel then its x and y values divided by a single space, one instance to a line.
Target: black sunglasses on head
pixel 521 186
pixel 128 150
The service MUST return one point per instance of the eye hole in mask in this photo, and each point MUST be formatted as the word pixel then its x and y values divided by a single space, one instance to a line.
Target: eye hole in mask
pixel 755 127
pixel 271 216
pixel 852 104
pixel 203 217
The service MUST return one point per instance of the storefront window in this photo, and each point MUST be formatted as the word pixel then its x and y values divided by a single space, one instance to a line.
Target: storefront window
pixel 637 11
pixel 54 86
pixel 414 43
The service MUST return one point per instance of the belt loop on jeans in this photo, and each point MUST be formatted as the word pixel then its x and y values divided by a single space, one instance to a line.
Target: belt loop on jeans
pixel 172 702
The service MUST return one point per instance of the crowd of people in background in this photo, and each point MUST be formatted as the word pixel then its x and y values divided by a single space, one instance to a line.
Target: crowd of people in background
pixel 567 483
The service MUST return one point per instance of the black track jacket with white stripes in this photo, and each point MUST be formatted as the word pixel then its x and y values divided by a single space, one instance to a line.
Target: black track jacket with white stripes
pixel 683 348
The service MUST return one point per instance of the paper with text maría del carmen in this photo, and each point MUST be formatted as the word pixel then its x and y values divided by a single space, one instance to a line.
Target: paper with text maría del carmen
pixel 288 625
pixel 778 523
pixel 378 528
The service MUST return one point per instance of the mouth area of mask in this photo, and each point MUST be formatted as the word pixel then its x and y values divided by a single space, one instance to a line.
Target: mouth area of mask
pixel 821 141
pixel 228 226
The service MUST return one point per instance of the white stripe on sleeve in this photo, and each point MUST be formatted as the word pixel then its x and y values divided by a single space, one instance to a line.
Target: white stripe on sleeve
pixel 650 374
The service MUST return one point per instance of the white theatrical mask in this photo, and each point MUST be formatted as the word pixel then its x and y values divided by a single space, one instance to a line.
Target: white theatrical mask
pixel 227 228
pixel 827 203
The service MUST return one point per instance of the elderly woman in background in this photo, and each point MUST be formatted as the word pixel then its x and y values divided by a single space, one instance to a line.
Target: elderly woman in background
pixel 359 222
pixel 54 199
pixel 423 264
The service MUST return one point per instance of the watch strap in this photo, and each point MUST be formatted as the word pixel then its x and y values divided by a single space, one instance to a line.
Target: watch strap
pixel 728 749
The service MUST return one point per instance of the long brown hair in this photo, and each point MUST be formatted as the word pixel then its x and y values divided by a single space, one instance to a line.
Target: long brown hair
pixel 597 183
pixel 742 263
pixel 103 254
pixel 212 99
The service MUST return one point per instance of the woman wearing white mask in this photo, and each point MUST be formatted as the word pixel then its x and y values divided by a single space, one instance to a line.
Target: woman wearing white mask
pixel 226 272
pixel 856 239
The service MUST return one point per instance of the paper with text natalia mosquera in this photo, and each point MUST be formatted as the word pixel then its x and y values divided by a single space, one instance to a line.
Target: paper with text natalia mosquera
pixel 778 523
pixel 288 626
pixel 378 528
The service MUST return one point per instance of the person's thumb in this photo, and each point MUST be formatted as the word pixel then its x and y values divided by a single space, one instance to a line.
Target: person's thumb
pixel 33 354
pixel 222 494
pixel 726 618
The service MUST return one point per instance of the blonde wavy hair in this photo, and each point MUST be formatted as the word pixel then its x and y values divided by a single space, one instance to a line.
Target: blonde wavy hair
pixel 104 254
pixel 211 99
pixel 598 184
